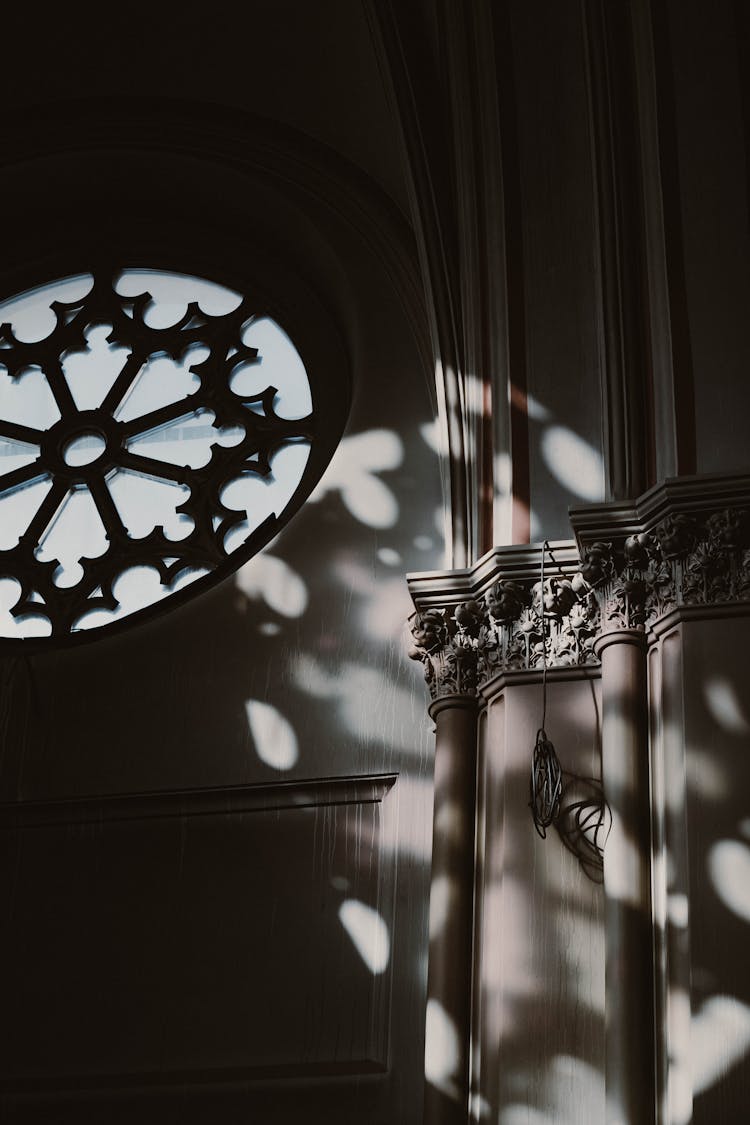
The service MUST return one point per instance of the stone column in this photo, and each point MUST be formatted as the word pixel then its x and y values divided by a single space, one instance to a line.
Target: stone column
pixel 449 976
pixel 630 1078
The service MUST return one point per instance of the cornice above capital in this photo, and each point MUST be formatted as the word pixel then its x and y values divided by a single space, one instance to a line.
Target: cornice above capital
pixel 685 543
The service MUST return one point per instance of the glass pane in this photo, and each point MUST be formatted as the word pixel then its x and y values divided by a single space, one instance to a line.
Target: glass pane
pixel 75 533
pixel 186 441
pixel 173 292
pixel 145 503
pixel 105 504
pixel 27 399
pixel 91 373
pixel 30 315
pixel 30 625
pixel 17 510
pixel 278 365
pixel 160 382
pixel 15 454
pixel 260 497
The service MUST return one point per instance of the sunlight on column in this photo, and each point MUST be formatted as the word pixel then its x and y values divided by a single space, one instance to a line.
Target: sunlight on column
pixel 680 1084
pixel 275 740
pixel 623 871
pixel 368 932
pixel 442 897
pixel 441 1052
pixel 569 1089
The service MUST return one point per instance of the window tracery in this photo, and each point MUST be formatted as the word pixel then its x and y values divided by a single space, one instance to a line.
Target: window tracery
pixel 154 428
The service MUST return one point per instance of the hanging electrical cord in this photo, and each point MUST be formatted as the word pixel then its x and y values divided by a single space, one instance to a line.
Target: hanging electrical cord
pixel 546 771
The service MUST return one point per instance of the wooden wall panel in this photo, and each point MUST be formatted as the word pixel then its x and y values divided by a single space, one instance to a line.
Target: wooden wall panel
pixel 200 937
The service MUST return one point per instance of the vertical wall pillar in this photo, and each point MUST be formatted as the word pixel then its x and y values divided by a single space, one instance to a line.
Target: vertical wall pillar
pixel 451 912
pixel 627 880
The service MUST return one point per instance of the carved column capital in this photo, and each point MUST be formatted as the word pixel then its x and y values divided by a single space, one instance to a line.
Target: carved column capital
pixel 684 543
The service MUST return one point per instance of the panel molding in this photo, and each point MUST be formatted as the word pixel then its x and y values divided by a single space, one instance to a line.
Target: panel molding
pixel 258 797
pixel 371 1059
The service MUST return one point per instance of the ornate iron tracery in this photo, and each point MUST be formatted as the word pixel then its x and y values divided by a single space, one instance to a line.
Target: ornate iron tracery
pixel 204 548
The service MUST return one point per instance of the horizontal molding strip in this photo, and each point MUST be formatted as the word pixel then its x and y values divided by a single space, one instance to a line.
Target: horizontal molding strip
pixel 79 1085
pixel 231 799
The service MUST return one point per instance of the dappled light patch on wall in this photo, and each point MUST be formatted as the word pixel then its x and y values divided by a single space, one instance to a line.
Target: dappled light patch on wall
pixel 725 706
pixel 275 582
pixel 354 474
pixel 368 932
pixel 729 868
pixel 273 735
pixel 573 462
pixel 719 1039
pixel 156 429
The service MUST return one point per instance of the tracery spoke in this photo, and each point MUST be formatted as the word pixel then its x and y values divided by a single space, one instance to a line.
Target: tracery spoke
pixel 122 384
pixel 159 417
pixel 107 509
pixel 180 474
pixel 23 475
pixel 16 432
pixel 59 387
pixel 44 513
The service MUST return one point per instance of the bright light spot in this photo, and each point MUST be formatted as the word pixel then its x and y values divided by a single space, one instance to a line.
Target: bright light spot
pixel 706 776
pixel 503 473
pixel 442 896
pixel 725 707
pixel 575 463
pixel 435 436
pixel 387 609
pixel 273 580
pixel 352 473
pixel 729 868
pixel 677 910
pixel 423 542
pixel 368 703
pixel 536 410
pixel 368 932
pixel 441 1053
pixel 623 864
pixel 275 740
pixel 719 1038
pixel 388 556
pixel 680 1089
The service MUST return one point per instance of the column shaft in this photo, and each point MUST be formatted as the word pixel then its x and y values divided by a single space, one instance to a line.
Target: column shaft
pixel 627 881
pixel 451 913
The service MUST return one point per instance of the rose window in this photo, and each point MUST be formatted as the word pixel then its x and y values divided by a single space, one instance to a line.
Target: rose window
pixel 154 428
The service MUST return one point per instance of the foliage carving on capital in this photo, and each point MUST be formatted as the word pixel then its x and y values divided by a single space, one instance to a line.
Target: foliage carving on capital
pixel 620 584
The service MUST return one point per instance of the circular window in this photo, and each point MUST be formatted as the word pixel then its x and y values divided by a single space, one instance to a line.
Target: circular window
pixel 155 430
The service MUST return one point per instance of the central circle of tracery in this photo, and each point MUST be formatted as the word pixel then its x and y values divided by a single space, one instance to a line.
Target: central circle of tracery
pixel 150 425
pixel 83 448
